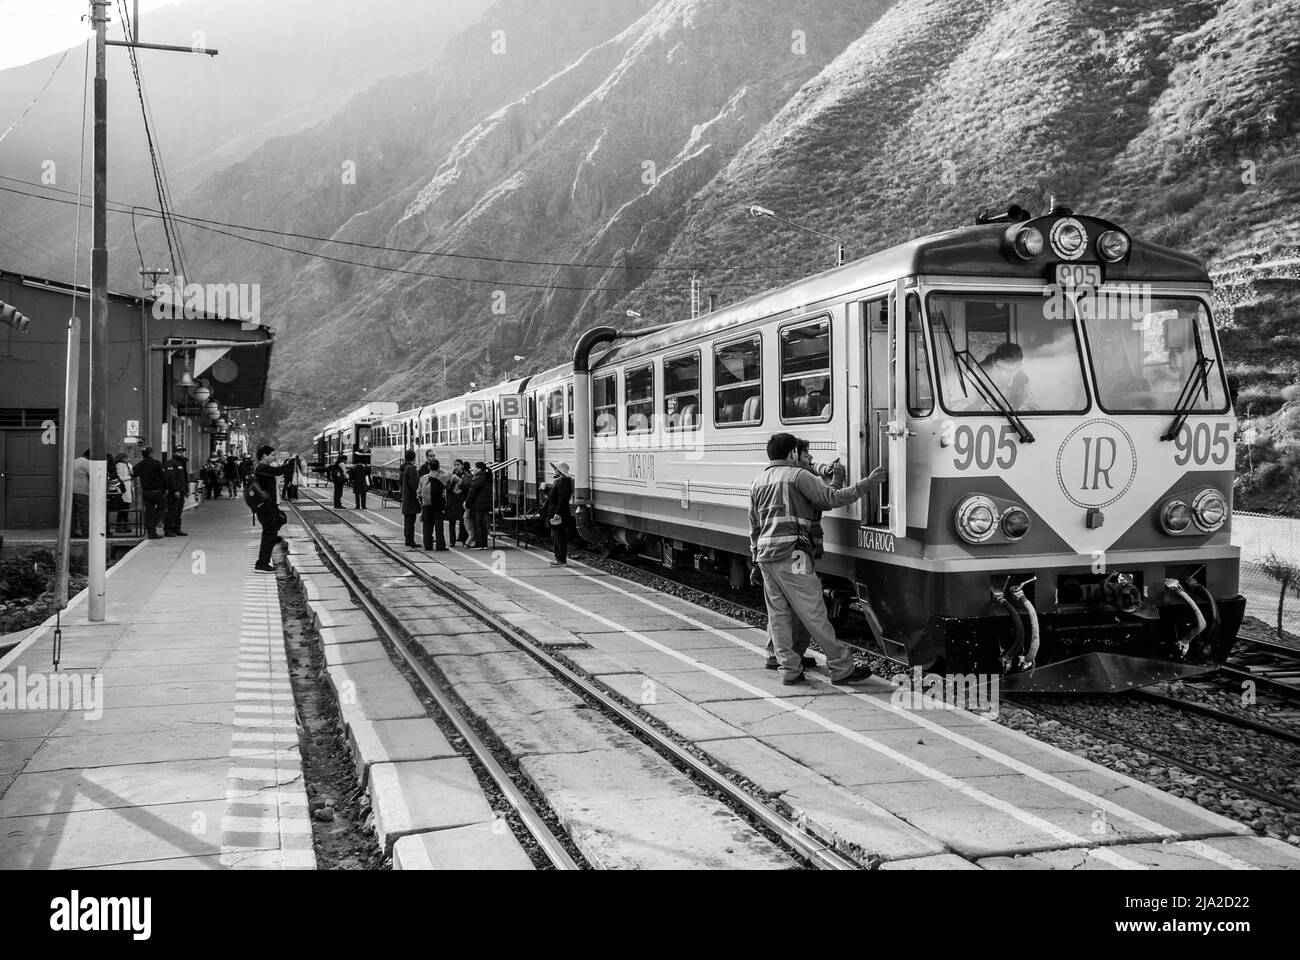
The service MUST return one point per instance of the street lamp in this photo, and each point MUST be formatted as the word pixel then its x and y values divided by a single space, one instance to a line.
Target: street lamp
pixel 759 212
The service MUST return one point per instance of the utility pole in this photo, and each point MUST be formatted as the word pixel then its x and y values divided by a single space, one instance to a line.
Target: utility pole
pixel 97 545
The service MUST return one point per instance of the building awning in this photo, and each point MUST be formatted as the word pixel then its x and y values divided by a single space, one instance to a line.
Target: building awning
pixel 235 370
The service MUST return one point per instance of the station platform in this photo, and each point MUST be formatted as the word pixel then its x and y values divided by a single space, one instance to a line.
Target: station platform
pixel 167 739
pixel 908 785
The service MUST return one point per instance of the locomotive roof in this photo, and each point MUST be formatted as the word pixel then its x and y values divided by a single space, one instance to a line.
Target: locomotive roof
pixel 977 250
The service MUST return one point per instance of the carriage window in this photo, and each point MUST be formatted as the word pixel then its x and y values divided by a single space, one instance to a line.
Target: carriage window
pixel 1146 352
pixel 806 371
pixel 738 382
pixel 604 405
pixel 434 433
pixel 682 392
pixel 529 426
pixel 920 391
pixel 476 433
pixel 1014 346
pixel 570 416
pixel 443 431
pixel 639 385
pixel 555 414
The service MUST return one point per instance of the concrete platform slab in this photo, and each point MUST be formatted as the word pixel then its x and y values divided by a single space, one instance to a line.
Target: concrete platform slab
pixel 15 754
pixel 691 721
pixel 60 841
pixel 421 795
pixel 468 644
pixel 373 690
pixel 855 825
pixel 339 618
pixel 626 809
pixel 502 667
pixel 81 752
pixel 636 687
pixel 452 626
pixel 394 741
pixel 21 724
pixel 595 664
pixel 541 716
pixel 946 861
pixel 112 787
pixel 352 633
pixel 479 846
pixel 341 654
pixel 1260 852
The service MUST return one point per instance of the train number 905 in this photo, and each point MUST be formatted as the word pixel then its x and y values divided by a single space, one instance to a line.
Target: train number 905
pixel 1196 444
pixel 982 448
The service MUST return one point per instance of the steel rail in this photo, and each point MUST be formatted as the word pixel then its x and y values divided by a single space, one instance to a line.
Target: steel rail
pixel 550 844
pixel 819 853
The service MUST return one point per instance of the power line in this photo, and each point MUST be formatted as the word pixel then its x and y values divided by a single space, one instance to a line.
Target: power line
pixel 358 263
pixel 197 221
pixel 22 116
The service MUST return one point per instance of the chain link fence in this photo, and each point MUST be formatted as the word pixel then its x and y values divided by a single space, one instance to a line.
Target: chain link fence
pixel 1259 535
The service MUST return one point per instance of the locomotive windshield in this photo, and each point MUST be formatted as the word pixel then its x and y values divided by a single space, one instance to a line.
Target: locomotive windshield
pixel 1146 357
pixel 1005 351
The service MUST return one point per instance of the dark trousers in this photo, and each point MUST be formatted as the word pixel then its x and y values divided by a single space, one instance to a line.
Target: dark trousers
pixel 123 521
pixel 560 541
pixel 456 520
pixel 479 523
pixel 432 518
pixel 154 507
pixel 338 496
pixel 562 536
pixel 360 497
pixel 81 514
pixel 408 528
pixel 175 507
pixel 269 518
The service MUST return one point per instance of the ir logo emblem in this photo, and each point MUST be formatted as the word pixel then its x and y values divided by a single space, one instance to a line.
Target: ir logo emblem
pixel 1096 464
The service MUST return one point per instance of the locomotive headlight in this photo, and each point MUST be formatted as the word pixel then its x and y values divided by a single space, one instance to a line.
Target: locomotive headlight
pixel 1113 245
pixel 1069 239
pixel 976 519
pixel 1209 510
pixel 1015 523
pixel 1029 243
pixel 1175 516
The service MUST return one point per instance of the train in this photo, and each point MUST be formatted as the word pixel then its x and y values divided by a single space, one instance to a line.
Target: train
pixel 1046 393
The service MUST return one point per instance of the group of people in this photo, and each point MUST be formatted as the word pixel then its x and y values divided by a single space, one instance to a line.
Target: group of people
pixel 161 488
pixel 437 496
pixel 356 476
pixel 227 475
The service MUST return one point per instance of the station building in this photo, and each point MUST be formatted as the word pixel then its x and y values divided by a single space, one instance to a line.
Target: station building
pixel 161 351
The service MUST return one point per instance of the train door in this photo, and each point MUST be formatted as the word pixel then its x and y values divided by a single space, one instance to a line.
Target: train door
pixel 884 417
pixel 876 405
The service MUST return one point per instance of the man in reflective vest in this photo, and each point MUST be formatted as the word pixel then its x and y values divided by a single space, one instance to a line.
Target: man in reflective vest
pixel 785 542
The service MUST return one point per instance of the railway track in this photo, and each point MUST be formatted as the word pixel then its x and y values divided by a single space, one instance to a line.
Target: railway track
pixel 1271 667
pixel 789 832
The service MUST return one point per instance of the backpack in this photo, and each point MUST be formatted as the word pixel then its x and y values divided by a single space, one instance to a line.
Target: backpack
pixel 254 498
pixel 429 494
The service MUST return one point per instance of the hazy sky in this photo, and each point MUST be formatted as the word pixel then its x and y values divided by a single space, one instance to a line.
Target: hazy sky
pixel 31 29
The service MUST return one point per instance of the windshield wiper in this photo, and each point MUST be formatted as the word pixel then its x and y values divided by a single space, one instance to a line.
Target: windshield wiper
pixel 987 388
pixel 994 396
pixel 1200 376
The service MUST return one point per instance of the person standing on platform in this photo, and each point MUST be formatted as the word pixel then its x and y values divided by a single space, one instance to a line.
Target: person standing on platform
pixel 357 476
pixel 123 471
pixel 153 485
pixel 429 463
pixel 81 495
pixel 455 509
pixel 433 487
pixel 265 477
pixel 176 485
pixel 409 482
pixel 245 469
pixel 559 513
pixel 231 471
pixel 478 504
pixel 784 544
pixel 337 474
